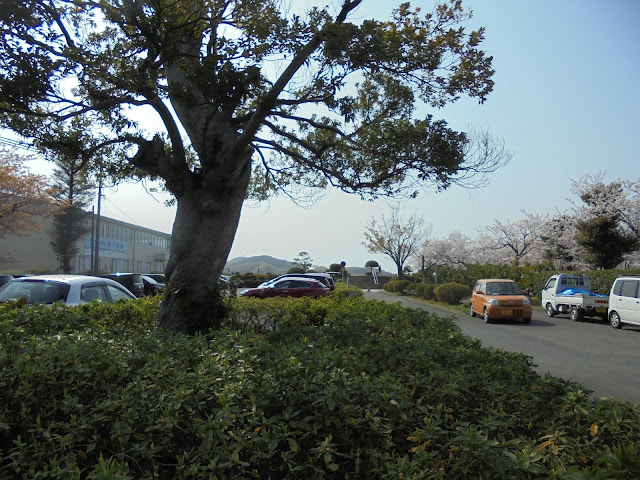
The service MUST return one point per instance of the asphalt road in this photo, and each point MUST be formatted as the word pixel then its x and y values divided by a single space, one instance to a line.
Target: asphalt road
pixel 604 360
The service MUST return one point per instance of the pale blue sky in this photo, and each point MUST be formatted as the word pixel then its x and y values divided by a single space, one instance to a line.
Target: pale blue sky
pixel 566 101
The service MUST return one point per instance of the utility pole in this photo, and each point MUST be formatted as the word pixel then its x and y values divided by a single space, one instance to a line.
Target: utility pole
pixel 93 233
pixel 96 265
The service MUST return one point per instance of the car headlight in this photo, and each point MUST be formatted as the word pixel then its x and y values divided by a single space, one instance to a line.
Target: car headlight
pixel 526 301
pixel 493 301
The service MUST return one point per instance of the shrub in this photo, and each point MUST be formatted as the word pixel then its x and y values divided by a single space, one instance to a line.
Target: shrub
pixel 351 291
pixel 411 289
pixel 429 292
pixel 452 293
pixel 251 280
pixel 344 388
pixel 401 285
pixel 390 286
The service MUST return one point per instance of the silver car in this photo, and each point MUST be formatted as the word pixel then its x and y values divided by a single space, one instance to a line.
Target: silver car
pixel 69 289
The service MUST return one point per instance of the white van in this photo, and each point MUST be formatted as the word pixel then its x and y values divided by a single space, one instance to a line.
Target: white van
pixel 624 302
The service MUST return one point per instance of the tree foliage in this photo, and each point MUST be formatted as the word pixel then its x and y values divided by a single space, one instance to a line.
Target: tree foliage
pixel 74 190
pixel 516 240
pixel 604 243
pixel 25 198
pixel 396 238
pixel 247 99
pixel 303 261
pixel 335 267
pixel 601 226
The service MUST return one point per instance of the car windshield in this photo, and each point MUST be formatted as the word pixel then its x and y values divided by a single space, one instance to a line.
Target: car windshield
pixel 34 291
pixel 503 288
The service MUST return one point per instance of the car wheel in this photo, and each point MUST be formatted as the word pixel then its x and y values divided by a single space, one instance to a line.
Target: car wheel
pixel 471 312
pixel 576 314
pixel 526 320
pixel 550 311
pixel 486 316
pixel 614 320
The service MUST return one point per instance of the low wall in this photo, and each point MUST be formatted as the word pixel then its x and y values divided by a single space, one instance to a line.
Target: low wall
pixel 366 281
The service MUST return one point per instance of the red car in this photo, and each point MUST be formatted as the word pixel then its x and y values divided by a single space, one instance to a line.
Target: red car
pixel 289 287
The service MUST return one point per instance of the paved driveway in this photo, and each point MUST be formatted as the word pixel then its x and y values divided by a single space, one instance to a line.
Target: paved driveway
pixel 604 360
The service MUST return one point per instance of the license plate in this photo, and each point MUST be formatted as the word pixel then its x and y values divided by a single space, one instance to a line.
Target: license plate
pixel 507 313
pixel 601 310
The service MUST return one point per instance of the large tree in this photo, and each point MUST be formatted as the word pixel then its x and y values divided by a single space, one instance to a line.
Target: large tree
pixel 248 98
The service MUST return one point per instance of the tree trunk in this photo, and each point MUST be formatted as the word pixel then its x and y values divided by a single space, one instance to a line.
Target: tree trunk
pixel 203 233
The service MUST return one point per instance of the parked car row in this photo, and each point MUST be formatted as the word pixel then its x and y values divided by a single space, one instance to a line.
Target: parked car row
pixel 140 284
pixel 68 289
pixel 75 289
pixel 293 285
pixel 495 299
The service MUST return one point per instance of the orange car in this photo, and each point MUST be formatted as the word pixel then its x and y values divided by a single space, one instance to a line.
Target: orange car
pixel 498 298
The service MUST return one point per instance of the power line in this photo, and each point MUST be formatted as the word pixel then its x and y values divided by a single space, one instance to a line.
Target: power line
pixel 17 144
pixel 114 206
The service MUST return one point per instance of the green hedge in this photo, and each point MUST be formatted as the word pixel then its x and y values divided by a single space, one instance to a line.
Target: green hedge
pixel 338 388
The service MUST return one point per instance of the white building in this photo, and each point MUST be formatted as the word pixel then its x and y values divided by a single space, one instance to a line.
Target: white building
pixel 124 247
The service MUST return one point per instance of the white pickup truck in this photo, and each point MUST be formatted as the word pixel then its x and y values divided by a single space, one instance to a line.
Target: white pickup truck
pixel 565 293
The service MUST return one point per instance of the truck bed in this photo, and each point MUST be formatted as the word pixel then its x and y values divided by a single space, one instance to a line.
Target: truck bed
pixel 583 298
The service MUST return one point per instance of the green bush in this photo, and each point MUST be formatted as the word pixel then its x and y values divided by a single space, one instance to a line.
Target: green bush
pixel 390 286
pixel 343 388
pixel 351 291
pixel 401 285
pixel 410 289
pixel 452 293
pixel 429 292
pixel 419 290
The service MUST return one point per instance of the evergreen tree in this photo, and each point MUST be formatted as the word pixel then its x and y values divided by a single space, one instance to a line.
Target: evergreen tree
pixel 74 190
pixel 604 242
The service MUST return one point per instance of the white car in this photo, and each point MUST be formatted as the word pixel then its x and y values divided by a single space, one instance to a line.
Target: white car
pixel 624 302
pixel 69 289
pixel 321 277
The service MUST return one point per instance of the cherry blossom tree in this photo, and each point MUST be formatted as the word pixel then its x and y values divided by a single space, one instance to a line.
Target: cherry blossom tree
pixel 453 251
pixel 515 241
pixel 396 238
pixel 617 204
pixel 558 237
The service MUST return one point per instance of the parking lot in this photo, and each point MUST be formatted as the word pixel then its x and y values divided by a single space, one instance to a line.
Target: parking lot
pixel 603 359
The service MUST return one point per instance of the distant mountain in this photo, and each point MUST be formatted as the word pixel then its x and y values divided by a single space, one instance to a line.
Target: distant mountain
pixel 258 264
pixel 276 266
